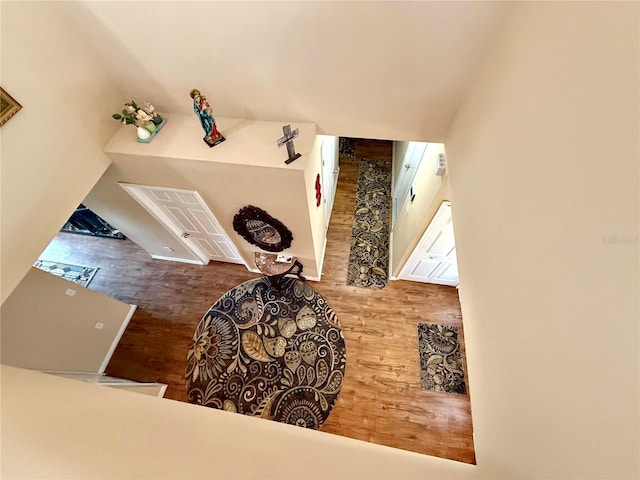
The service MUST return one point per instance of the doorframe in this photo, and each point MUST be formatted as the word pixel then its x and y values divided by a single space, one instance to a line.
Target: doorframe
pixel 333 181
pixel 162 218
pixel 399 195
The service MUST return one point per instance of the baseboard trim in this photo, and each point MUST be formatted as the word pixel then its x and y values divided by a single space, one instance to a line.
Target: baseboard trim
pixel 161 387
pixel 324 251
pixel 175 259
pixel 116 340
pixel 391 265
pixel 69 372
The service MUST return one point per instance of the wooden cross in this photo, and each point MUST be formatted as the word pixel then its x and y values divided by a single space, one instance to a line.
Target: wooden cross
pixel 288 140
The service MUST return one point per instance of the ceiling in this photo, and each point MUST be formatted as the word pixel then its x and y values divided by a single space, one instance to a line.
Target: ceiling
pixel 392 70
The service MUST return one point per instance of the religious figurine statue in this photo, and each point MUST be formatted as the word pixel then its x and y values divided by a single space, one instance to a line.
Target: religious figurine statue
pixel 202 108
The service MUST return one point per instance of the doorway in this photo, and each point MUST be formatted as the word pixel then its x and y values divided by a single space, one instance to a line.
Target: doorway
pixel 434 258
pixel 407 158
pixel 330 171
pixel 186 216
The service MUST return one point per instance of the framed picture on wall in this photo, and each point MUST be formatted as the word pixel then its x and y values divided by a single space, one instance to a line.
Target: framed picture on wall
pixel 8 106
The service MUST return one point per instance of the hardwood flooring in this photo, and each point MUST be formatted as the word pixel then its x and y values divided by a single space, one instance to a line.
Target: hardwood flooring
pixel 381 399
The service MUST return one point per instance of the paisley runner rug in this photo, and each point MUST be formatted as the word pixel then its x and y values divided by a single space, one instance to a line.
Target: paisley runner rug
pixel 441 368
pixel 273 353
pixel 369 256
pixel 347 147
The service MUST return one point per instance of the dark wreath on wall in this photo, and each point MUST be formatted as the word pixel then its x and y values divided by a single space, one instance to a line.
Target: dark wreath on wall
pixel 259 228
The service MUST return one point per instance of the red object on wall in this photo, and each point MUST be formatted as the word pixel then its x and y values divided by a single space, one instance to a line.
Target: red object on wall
pixel 318 191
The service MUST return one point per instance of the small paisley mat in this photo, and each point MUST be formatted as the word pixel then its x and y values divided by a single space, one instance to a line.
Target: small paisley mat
pixel 441 368
pixel 78 274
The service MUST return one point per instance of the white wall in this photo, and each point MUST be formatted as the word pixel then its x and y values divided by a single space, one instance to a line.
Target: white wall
pixel 119 209
pixel 399 151
pixel 247 169
pixel 316 214
pixel 390 70
pixel 431 191
pixel 544 166
pixel 43 328
pixel 55 428
pixel 52 148
pixel 97 55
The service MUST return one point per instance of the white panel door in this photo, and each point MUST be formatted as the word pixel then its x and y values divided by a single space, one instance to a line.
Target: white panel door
pixel 434 258
pixel 410 163
pixel 185 214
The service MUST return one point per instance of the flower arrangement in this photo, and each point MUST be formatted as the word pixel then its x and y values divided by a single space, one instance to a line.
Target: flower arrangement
pixel 132 114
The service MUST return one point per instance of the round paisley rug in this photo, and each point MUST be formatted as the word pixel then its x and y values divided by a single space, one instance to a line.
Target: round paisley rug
pixel 275 354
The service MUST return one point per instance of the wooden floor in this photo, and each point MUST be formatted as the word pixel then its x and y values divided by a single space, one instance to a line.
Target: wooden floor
pixel 381 399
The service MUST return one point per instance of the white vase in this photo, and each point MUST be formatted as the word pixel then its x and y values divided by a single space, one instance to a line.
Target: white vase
pixel 143 133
